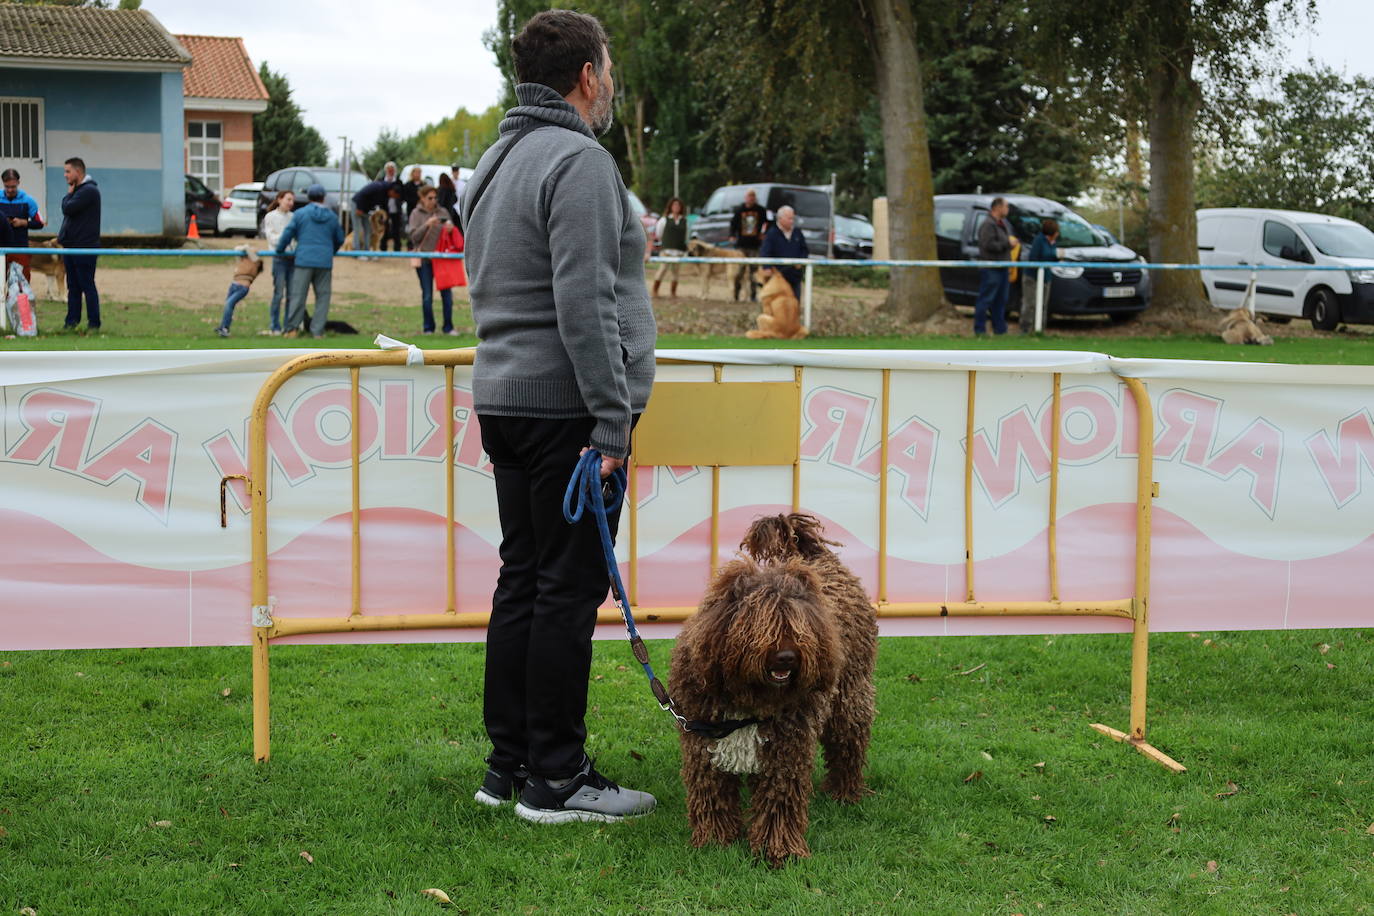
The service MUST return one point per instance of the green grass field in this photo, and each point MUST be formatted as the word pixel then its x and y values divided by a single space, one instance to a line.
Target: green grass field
pixel 127 784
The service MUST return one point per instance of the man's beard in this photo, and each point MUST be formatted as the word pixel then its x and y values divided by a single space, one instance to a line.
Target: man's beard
pixel 602 113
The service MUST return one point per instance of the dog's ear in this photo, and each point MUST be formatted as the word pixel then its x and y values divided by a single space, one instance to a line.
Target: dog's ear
pixel 768 538
pixel 809 535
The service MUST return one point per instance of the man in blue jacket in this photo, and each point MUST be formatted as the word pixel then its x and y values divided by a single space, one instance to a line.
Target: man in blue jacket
pixel 18 216
pixel 80 229
pixel 784 240
pixel 317 234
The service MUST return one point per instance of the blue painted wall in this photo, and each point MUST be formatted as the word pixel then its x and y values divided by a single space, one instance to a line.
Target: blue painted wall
pixel 128 129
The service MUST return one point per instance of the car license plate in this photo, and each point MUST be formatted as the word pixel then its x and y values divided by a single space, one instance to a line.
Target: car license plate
pixel 1118 292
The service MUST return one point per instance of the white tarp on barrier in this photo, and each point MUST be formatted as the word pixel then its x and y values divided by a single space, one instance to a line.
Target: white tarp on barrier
pixel 110 467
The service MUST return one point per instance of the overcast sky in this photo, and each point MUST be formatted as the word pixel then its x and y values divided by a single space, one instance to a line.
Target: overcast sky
pixel 356 70
pixel 358 67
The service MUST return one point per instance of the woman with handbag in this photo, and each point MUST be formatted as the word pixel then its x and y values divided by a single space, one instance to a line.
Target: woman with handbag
pixel 426 225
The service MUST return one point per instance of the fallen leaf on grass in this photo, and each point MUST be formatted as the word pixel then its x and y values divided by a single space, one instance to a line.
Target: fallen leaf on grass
pixel 1051 819
pixel 1323 648
pixel 4 833
pixel 225 692
pixel 914 678
pixel 973 669
pixel 4 664
pixel 223 812
pixel 1206 642
pixel 307 857
pixel 162 823
pixel 636 755
pixel 233 865
pixel 1211 865
pixel 986 755
pixel 974 776
pixel 28 911
pixel 1231 789
pixel 1370 831
pixel 1174 820
pixel 438 896
pixel 1329 666
pixel 1039 766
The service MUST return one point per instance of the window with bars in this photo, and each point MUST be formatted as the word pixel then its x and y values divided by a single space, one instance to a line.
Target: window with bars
pixel 19 130
pixel 205 153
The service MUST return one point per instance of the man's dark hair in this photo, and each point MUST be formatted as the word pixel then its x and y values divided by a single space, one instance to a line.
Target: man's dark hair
pixel 553 46
pixel 76 162
pixel 9 175
pixel 996 201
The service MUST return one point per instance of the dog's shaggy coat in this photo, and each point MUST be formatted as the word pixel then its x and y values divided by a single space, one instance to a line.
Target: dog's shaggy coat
pixel 789 607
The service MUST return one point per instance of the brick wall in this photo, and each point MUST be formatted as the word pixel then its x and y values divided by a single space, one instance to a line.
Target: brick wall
pixel 236 143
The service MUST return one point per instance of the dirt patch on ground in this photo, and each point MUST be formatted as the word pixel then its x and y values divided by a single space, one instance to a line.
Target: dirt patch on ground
pixel 390 284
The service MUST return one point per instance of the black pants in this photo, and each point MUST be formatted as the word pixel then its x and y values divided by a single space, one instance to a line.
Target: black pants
pixel 553 577
pixel 393 232
pixel 81 282
pixel 750 249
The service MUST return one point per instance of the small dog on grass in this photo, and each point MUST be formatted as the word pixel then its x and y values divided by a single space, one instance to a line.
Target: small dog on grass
pixel 1238 327
pixel 781 315
pixel 785 637
pixel 377 225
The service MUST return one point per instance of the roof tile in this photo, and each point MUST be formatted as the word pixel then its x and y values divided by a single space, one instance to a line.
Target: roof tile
pixel 220 69
pixel 81 33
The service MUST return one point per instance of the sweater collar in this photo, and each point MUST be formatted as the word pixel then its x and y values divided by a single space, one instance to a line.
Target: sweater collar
pixel 537 102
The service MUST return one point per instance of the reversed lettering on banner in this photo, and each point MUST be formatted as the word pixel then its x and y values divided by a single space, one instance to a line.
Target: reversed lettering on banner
pixel 60 427
pixel 1340 464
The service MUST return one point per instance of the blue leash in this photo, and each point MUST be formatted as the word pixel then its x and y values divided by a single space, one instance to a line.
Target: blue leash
pixel 586 488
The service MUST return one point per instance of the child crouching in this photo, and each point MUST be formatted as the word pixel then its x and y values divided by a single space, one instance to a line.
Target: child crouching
pixel 246 270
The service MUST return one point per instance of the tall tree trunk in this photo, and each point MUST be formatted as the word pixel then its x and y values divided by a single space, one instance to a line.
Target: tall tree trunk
pixel 913 292
pixel 1174 100
pixel 634 141
pixel 1135 168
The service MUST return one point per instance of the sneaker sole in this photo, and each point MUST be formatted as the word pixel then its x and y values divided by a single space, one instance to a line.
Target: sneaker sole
pixel 569 815
pixel 490 801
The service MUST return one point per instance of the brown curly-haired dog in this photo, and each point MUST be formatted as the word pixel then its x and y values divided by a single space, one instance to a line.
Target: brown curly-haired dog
pixel 788 636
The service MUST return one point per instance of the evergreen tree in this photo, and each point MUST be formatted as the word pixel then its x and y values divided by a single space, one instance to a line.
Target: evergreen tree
pixel 281 137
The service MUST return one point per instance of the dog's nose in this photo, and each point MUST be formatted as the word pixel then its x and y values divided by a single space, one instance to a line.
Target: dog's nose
pixel 784 659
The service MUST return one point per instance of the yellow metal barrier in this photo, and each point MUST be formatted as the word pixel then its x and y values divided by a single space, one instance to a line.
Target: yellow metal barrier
pixel 683 429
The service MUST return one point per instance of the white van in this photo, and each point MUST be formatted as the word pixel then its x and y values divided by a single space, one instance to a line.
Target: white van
pixel 1288 237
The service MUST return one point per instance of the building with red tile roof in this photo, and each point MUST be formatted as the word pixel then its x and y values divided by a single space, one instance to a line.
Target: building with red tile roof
pixel 222 93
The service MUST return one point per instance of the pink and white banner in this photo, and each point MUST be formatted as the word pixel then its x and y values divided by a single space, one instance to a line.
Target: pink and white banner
pixel 110 466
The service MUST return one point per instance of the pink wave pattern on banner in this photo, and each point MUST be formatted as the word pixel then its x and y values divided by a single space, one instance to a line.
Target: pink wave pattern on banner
pixel 56 591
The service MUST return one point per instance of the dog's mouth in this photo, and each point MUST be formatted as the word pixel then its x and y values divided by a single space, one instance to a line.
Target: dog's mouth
pixel 780 677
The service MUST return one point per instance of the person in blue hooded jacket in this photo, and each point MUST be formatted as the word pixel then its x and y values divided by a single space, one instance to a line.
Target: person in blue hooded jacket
pixel 317 234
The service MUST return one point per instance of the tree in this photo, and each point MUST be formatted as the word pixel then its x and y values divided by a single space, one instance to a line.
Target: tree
pixel 1309 148
pixel 280 137
pixel 891 31
pixel 389 146
pixel 462 137
pixel 1164 46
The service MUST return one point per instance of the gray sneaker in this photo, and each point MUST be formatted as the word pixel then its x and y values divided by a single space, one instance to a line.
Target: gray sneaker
pixel 589 797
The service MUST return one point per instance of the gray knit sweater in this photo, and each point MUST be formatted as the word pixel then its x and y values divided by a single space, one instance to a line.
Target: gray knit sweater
pixel 554 256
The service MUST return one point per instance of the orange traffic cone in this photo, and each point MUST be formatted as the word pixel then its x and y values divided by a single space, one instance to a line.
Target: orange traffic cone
pixel 193 231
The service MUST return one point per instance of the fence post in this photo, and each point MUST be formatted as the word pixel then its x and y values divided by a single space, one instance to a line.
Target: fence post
pixel 806 297
pixel 1039 299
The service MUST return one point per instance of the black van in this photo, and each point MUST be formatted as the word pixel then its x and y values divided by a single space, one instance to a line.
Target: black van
pixel 812 206
pixel 1119 293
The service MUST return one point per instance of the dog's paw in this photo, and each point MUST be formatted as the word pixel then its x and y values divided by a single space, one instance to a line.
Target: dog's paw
pixel 778 855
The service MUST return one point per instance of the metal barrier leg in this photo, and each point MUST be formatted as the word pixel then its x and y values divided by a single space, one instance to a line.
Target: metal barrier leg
pixel 1140 630
pixel 262 717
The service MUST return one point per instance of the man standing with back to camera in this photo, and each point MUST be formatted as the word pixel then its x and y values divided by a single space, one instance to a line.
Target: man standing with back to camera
pixel 565 361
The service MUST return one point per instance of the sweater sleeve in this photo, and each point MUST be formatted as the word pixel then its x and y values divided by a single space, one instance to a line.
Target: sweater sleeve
pixel 585 222
pixel 287 235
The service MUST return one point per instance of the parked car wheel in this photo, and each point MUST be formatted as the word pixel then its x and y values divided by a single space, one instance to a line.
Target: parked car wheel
pixel 1323 309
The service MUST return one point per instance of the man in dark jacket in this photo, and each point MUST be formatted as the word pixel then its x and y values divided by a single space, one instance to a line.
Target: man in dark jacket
pixel 317 234
pixel 566 360
pixel 994 244
pixel 80 229
pixel 369 197
pixel 410 197
pixel 18 216
pixel 786 241
pixel 748 225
